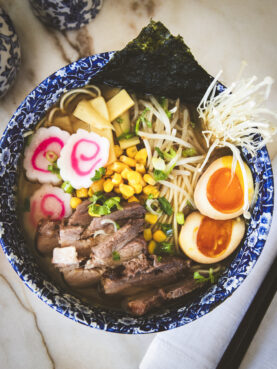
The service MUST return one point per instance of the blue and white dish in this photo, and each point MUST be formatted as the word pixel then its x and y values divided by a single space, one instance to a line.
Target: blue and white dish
pixel 25 118
pixel 9 53
pixel 64 14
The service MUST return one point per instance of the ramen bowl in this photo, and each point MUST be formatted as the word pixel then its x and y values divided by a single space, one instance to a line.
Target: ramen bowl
pixel 28 114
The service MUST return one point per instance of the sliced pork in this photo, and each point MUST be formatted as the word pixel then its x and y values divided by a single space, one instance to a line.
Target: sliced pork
pixel 131 250
pixel 47 237
pixel 65 257
pixel 80 277
pixel 81 216
pixel 143 273
pixel 148 301
pixel 69 234
pixel 118 240
pixel 131 210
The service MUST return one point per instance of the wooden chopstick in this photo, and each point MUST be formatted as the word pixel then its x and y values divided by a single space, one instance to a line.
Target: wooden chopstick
pixel 233 355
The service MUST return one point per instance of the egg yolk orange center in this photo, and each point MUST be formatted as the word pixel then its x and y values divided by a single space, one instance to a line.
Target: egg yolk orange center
pixel 213 236
pixel 224 191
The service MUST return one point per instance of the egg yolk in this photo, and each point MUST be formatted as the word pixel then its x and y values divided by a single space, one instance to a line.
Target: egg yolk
pixel 213 236
pixel 224 191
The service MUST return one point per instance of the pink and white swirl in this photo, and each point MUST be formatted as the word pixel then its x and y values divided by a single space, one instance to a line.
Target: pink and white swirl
pixel 83 153
pixel 45 141
pixel 49 202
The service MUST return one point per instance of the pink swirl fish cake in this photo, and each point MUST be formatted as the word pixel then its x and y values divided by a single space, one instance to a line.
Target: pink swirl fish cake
pixel 83 153
pixel 49 202
pixel 43 151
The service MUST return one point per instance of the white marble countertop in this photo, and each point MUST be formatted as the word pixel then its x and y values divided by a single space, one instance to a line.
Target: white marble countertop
pixel 220 34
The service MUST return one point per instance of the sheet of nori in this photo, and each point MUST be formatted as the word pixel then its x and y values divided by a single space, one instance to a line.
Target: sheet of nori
pixel 157 63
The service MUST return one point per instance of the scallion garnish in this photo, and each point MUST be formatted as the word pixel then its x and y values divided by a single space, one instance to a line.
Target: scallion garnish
pixel 116 255
pixel 66 186
pixel 186 153
pixel 99 173
pixel 165 205
pixel 180 218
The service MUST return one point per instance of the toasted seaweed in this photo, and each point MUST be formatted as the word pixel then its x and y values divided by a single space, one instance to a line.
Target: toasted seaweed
pixel 157 63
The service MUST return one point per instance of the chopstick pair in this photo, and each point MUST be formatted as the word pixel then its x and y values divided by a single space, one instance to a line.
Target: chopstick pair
pixel 233 355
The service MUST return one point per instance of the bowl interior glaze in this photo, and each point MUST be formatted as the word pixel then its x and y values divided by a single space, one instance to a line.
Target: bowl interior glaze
pixel 25 118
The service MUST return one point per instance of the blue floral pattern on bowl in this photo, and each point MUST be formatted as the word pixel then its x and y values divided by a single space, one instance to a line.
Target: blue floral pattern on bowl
pixel 64 14
pixel 11 145
pixel 9 53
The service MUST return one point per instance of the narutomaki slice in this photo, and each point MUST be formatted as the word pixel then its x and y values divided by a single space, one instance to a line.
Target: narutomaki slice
pixel 44 150
pixel 49 202
pixel 83 153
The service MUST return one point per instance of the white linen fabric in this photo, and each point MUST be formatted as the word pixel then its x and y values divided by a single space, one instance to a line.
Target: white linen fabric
pixel 200 345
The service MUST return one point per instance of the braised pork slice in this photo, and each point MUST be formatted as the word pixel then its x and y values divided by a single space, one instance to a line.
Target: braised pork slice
pixel 65 257
pixel 81 277
pixel 131 250
pixel 132 210
pixel 142 273
pixel 118 240
pixel 69 234
pixel 80 216
pixel 84 247
pixel 147 301
pixel 47 236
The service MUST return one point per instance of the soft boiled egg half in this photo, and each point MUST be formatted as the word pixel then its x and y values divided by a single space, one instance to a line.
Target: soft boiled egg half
pixel 219 193
pixel 207 240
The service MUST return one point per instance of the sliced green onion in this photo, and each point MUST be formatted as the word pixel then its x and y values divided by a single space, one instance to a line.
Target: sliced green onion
pixel 165 205
pixel 180 218
pixel 99 173
pixel 116 256
pixel 66 186
pixel 186 153
pixel 126 136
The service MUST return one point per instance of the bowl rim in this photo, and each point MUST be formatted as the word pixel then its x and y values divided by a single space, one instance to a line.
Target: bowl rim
pixel 106 319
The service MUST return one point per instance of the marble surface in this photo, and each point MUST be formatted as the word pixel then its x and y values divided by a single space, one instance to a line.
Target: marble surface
pixel 221 34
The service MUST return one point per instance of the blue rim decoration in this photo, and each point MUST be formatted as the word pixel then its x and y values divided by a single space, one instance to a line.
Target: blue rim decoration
pixel 25 118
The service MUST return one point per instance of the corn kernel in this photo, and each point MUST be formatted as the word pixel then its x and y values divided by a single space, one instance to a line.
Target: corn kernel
pixel 82 192
pixel 140 168
pixel 74 202
pixel 118 167
pixel 134 178
pixel 131 151
pixel 133 199
pixel 137 188
pixel 109 172
pixel 125 172
pixel 116 179
pixel 90 192
pixel 127 191
pixel 151 190
pixel 108 185
pixel 118 151
pixel 159 236
pixel 151 218
pixel 151 247
pixel 97 185
pixel 149 179
pixel 128 161
pixel 116 189
pixel 141 156
pixel 147 234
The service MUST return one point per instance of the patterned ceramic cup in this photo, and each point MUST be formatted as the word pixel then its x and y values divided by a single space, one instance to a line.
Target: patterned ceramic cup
pixel 66 14
pixel 9 53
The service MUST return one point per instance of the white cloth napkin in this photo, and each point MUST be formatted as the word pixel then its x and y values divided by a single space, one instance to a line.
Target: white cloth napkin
pixel 200 345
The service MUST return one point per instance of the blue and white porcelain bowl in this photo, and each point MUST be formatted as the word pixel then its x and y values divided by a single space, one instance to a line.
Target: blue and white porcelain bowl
pixel 9 53
pixel 66 14
pixel 25 118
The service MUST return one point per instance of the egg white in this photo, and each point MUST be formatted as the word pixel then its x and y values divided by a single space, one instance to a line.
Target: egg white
pixel 188 239
pixel 200 194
